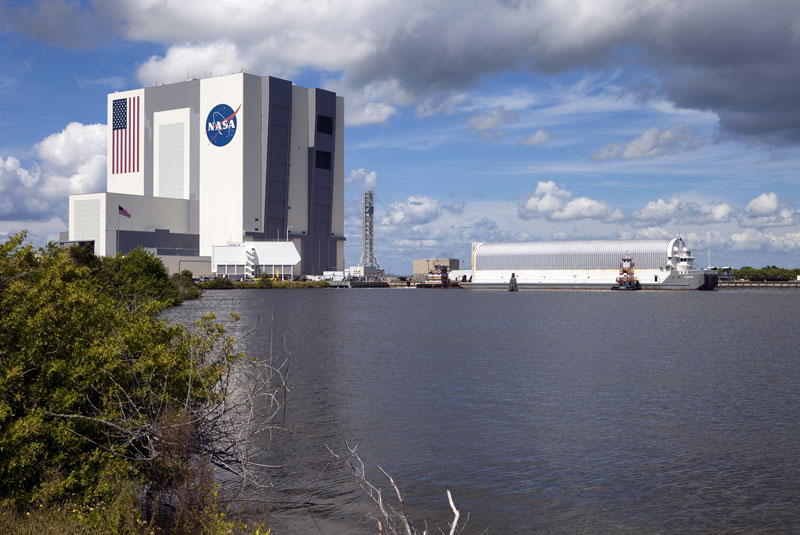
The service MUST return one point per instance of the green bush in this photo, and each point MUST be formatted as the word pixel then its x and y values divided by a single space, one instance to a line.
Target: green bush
pixel 186 285
pixel 100 399
pixel 138 275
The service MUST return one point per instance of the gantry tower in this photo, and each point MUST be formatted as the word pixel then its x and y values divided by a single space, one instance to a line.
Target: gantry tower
pixel 368 214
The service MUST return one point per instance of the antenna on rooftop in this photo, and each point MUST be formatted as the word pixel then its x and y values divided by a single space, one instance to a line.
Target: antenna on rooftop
pixel 367 235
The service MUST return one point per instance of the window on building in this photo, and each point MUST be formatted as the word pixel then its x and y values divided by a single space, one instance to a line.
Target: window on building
pixel 323 159
pixel 324 124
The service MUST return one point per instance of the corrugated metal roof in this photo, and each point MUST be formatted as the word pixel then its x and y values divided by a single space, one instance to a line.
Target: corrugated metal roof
pixel 594 254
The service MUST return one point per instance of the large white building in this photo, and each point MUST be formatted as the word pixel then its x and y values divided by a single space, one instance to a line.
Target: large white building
pixel 224 160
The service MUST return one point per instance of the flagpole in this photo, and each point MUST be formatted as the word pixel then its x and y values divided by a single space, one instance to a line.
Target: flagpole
pixel 117 251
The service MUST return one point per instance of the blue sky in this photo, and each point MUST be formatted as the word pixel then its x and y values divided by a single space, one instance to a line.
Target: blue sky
pixel 472 121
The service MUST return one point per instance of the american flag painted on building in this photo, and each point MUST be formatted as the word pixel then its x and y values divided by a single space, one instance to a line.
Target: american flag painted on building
pixel 125 136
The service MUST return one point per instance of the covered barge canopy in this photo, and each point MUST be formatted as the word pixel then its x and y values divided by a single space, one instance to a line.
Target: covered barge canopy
pixel 594 254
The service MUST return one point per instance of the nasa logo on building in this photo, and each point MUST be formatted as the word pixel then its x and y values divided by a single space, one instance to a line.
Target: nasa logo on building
pixel 221 124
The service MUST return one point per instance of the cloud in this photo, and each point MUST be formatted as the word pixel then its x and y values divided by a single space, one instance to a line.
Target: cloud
pixel 366 180
pixel 493 118
pixel 40 231
pixel 183 62
pixel 374 103
pixel 415 210
pixel 537 138
pixel 765 204
pixel 707 55
pixel 757 240
pixel 456 208
pixel 11 172
pixel 653 142
pixel 557 204
pixel 73 145
pixel 612 150
pixel 69 162
pixel 767 210
pixel 441 104
pixel 682 212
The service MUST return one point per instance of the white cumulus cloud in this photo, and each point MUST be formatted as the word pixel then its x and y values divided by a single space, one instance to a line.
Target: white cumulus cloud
pixel 764 205
pixel 415 210
pixel 758 240
pixel 366 180
pixel 682 212
pixel 767 210
pixel 69 162
pixel 557 204
pixel 185 61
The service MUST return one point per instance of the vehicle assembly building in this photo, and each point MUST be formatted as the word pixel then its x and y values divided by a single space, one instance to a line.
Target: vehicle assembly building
pixel 659 264
pixel 225 160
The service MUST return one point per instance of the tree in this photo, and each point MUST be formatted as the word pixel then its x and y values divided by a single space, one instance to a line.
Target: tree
pixel 96 388
pixel 138 275
pixel 186 285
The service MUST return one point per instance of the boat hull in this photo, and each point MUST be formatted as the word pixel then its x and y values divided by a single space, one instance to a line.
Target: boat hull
pixel 589 280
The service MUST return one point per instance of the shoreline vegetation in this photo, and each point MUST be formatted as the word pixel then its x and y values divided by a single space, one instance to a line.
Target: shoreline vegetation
pixel 112 419
pixel 260 283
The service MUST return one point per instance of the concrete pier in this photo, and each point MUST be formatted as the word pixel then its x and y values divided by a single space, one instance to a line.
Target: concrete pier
pixel 738 285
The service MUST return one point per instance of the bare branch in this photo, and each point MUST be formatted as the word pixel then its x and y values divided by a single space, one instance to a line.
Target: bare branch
pixel 456 513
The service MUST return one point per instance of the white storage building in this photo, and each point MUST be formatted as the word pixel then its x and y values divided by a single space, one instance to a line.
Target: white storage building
pixel 659 264
pixel 252 259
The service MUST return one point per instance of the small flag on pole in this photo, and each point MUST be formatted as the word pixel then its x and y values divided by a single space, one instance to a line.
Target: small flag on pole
pixel 123 211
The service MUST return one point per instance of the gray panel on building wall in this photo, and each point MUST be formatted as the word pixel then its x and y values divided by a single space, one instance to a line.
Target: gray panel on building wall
pixel 279 114
pixel 319 252
pixel 170 160
pixel 322 195
pixel 323 178
pixel 278 173
pixel 279 152
pixel 87 219
pixel 163 98
pixel 279 132
pixel 324 142
pixel 279 138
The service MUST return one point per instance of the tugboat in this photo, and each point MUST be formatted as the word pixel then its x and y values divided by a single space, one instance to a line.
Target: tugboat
pixel 439 277
pixel 626 279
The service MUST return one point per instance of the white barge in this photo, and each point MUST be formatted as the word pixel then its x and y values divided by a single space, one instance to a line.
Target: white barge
pixel 660 265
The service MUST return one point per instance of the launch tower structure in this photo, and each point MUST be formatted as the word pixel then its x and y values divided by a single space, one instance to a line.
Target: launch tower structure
pixel 367 232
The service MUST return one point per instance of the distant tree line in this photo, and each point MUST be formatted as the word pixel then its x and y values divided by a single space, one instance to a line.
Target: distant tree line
pixel 769 273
